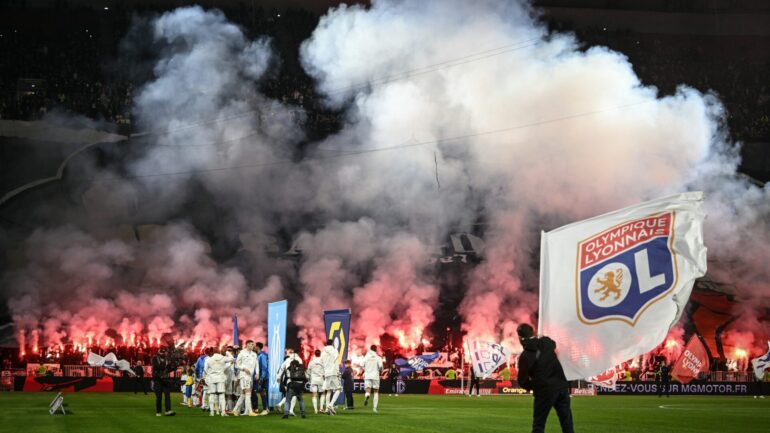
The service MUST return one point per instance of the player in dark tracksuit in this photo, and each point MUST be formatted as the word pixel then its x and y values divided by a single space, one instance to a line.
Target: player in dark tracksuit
pixel 541 372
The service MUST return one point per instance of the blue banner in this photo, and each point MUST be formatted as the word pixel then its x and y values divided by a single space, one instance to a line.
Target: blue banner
pixel 337 324
pixel 276 345
pixel 235 332
pixel 415 363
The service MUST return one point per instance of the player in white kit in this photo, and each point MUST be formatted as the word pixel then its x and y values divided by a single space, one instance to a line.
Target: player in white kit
pixel 247 366
pixel 372 370
pixel 316 370
pixel 330 361
pixel 215 369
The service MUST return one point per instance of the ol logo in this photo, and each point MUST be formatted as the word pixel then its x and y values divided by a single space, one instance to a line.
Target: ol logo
pixel 622 271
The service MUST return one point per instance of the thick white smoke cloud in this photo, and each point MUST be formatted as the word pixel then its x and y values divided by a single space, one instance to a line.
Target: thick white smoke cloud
pixel 202 112
pixel 456 112
pixel 580 136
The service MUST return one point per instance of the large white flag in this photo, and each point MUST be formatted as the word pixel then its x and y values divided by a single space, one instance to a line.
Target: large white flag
pixel 612 286
pixel 486 357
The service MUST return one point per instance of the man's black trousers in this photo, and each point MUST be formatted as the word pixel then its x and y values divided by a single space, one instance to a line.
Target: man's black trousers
pixel 557 399
pixel 162 389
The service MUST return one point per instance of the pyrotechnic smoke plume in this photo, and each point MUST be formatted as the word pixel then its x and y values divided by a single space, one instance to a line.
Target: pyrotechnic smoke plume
pixel 455 112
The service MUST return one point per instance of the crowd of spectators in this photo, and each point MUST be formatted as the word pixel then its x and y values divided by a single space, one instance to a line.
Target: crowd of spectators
pixel 732 67
pixel 72 67
pixel 62 68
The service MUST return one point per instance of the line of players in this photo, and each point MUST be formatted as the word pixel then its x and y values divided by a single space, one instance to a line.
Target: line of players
pixel 218 376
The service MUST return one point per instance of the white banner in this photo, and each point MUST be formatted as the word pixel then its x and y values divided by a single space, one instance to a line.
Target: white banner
pixel 761 364
pixel 612 286
pixel 109 361
pixel 486 357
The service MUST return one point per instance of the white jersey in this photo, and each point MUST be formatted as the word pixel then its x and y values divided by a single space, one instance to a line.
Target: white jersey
pixel 247 363
pixel 230 370
pixel 330 361
pixel 372 365
pixel 285 365
pixel 316 371
pixel 215 368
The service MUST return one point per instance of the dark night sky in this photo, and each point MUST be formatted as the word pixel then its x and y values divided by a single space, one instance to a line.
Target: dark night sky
pixel 314 5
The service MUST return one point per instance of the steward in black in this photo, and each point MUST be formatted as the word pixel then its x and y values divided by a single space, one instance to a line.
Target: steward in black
pixel 162 365
pixel 541 372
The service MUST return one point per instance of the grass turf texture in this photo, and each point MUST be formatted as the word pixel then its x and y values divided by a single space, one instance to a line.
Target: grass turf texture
pixel 121 412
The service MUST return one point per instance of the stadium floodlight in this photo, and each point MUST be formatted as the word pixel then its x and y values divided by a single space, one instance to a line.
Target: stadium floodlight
pixel 56 404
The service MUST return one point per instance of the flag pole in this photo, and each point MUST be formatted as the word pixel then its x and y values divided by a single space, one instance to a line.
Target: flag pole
pixel 462 368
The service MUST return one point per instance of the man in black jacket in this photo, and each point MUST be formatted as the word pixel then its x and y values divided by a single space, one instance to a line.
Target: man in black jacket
pixel 139 383
pixel 541 372
pixel 162 365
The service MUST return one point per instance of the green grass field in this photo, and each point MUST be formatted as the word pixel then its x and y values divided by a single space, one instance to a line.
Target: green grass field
pixel 108 413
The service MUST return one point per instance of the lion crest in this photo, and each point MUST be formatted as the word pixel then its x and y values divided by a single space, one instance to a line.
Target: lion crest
pixel 610 284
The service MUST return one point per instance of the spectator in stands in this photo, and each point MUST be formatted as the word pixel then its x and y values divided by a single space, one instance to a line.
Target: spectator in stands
pixel 505 373
pixel 450 374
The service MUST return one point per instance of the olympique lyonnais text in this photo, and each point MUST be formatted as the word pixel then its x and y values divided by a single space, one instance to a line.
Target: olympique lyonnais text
pixel 625 236
pixel 692 362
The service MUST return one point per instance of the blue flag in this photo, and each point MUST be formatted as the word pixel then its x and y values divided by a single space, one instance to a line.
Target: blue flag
pixel 337 324
pixel 235 331
pixel 276 329
pixel 416 363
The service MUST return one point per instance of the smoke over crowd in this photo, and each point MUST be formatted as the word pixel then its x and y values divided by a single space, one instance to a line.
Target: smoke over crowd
pixel 455 112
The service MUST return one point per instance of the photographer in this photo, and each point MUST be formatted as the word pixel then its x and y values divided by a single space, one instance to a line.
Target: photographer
pixel 162 364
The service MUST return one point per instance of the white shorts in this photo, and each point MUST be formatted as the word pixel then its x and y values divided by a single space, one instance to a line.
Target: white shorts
pixel 245 381
pixel 317 387
pixel 372 383
pixel 332 383
pixel 217 388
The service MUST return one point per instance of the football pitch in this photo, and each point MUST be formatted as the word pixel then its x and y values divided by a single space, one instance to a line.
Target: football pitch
pixel 123 412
